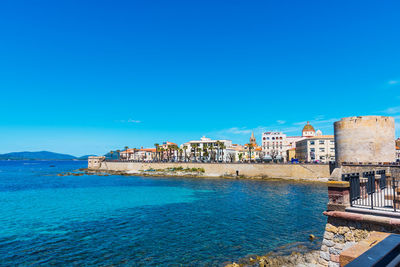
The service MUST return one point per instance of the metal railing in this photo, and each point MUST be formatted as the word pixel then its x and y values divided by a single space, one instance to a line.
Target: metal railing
pixel 374 190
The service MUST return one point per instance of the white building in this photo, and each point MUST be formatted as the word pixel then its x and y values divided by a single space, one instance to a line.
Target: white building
pixel 274 145
pixel 316 149
pixel 207 149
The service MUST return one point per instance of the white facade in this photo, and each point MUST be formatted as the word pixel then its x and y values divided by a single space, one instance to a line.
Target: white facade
pixel 319 148
pixel 212 147
pixel 274 145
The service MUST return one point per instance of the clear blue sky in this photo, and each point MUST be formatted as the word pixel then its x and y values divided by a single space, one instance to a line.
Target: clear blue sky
pixel 84 77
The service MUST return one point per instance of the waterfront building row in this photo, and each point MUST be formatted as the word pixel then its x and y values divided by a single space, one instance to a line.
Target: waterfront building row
pixel 311 146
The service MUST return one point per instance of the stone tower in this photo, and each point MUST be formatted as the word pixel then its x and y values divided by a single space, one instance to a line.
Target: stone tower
pixel 365 139
pixel 253 139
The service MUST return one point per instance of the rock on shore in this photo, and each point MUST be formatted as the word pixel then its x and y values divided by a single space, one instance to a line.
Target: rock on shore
pixel 308 259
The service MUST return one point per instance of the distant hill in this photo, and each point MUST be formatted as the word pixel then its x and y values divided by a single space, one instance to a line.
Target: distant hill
pixel 40 155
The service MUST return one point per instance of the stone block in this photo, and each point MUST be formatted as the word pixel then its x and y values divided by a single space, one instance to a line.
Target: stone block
pixel 338 238
pixel 334 251
pixel 360 235
pixel 339 246
pixel 328 243
pixel 343 229
pixel 331 228
pixel 349 237
pixel 325 255
pixel 335 258
pixel 324 248
pixel 323 262
pixel 328 235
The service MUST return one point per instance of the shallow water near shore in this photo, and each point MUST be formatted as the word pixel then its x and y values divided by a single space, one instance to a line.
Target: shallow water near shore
pixel 117 220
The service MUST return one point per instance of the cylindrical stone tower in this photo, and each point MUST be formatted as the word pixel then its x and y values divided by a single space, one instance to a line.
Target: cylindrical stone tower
pixel 366 139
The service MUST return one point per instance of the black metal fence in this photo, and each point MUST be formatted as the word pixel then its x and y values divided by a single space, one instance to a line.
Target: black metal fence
pixel 374 190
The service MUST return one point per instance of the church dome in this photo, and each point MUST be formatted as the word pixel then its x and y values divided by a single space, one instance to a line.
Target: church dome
pixel 308 128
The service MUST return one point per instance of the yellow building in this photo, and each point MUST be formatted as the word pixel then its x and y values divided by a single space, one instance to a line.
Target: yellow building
pixel 291 153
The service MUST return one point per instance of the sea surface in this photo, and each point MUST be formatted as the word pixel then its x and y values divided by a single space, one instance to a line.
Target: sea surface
pixel 47 219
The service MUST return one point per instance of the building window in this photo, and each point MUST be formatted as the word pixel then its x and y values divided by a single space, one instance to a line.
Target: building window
pixel 321 142
pixel 312 149
pixel 312 143
pixel 322 149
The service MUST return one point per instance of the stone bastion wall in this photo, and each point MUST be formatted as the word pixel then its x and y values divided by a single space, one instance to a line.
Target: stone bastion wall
pixel 302 171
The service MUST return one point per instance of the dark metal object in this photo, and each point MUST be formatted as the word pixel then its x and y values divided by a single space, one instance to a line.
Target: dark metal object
pixel 354 179
pixel 382 180
pixel 373 190
pixel 385 253
pixel 370 185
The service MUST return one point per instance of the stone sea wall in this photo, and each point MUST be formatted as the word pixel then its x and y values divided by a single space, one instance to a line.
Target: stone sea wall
pixel 301 171
pixel 341 234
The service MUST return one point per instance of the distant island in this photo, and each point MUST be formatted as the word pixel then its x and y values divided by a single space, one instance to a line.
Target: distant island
pixel 40 155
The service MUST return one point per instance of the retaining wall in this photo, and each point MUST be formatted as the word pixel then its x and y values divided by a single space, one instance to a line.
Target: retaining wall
pixel 312 171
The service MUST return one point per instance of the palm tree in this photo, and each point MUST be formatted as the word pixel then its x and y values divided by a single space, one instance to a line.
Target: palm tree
pixel 205 150
pixel 250 146
pixel 211 152
pixel 199 150
pixel 162 153
pixel 180 154
pixel 126 152
pixel 111 154
pixel 218 151
pixel 194 147
pixel 169 152
pixel 156 145
pixel 185 148
pixel 177 152
pixel 118 151
pixel 222 147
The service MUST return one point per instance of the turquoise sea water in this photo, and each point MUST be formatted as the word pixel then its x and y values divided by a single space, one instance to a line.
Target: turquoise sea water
pixel 47 219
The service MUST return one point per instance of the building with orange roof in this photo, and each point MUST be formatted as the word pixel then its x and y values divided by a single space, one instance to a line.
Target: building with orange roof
pixel 397 153
pixel 141 154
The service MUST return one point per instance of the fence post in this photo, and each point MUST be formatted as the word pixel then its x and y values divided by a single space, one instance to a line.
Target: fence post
pixel 339 195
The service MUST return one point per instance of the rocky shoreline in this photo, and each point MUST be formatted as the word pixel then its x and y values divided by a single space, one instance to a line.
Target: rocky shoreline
pixel 190 174
pixel 297 259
